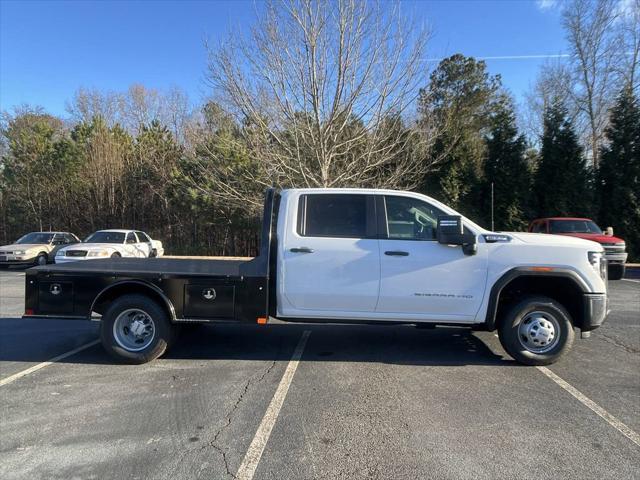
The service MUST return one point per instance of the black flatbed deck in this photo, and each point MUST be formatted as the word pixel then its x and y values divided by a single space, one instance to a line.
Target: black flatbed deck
pixel 210 267
pixel 200 289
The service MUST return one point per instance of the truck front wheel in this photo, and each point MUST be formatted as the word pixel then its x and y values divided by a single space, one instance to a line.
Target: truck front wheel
pixel 135 329
pixel 536 331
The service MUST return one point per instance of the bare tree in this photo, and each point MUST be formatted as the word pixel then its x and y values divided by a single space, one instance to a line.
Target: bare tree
pixel 629 43
pixel 89 103
pixel 590 28
pixel 320 88
pixel 555 81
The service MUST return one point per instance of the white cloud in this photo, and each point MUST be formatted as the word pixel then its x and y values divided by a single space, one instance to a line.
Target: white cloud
pixel 546 4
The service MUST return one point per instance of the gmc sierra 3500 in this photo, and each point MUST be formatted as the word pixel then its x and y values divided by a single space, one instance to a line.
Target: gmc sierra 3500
pixel 345 255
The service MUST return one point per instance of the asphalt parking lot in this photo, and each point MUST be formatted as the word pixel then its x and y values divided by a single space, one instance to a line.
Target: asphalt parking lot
pixel 364 402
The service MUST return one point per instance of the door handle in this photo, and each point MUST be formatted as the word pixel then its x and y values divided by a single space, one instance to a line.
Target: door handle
pixel 301 250
pixel 397 253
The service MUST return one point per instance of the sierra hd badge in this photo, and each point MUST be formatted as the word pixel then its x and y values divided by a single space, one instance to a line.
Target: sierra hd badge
pixel 209 293
pixel 55 289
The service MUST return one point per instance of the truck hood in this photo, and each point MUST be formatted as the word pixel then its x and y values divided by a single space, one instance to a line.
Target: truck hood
pixel 594 237
pixel 25 246
pixel 556 240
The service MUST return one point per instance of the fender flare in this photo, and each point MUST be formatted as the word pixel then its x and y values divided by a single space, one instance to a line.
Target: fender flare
pixel 150 286
pixel 517 272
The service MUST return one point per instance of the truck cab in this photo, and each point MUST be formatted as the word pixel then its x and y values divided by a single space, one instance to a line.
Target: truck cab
pixel 346 256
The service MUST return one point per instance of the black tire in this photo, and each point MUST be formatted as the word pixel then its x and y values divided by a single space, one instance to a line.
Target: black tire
pixel 41 259
pixel 538 312
pixel 163 336
pixel 116 255
pixel 616 272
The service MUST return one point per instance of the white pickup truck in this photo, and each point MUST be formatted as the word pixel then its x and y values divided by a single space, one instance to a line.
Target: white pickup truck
pixel 346 255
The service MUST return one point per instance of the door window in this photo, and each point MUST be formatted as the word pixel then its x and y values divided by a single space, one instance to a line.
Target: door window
pixel 334 215
pixel 131 238
pixel 143 237
pixel 58 239
pixel 410 218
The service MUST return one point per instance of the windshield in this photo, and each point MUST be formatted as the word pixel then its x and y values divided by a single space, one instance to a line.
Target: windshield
pixel 105 237
pixel 36 237
pixel 574 226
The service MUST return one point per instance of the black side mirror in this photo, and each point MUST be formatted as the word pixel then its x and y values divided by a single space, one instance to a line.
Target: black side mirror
pixel 450 231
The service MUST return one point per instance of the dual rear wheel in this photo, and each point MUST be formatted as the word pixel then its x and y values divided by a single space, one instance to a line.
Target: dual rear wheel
pixel 135 329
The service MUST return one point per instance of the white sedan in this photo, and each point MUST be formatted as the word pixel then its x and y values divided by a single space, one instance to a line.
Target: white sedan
pixel 111 244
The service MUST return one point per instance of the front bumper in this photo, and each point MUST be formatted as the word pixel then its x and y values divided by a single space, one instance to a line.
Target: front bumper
pixel 17 260
pixel 596 309
pixel 616 258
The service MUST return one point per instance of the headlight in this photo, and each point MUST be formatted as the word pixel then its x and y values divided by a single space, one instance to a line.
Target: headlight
pixel 19 252
pixel 598 262
pixel 100 253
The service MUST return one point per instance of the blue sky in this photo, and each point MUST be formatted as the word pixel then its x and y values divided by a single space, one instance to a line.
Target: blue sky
pixel 50 49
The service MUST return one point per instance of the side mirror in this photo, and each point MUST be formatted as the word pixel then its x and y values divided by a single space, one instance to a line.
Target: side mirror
pixel 450 231
pixel 609 232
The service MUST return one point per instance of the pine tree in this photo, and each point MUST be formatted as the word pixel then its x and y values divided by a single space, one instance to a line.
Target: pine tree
pixel 618 179
pixel 458 103
pixel 561 186
pixel 507 168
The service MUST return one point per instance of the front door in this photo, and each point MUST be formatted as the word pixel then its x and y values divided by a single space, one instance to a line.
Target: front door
pixel 329 260
pixel 419 276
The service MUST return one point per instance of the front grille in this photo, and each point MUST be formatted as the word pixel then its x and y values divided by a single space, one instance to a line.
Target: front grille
pixel 614 249
pixel 76 253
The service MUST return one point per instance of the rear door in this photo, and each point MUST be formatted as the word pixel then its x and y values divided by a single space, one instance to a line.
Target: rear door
pixel 130 245
pixel 329 263
pixel 58 242
pixel 143 245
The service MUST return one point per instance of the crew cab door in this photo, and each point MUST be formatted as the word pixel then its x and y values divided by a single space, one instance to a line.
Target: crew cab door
pixel 329 262
pixel 130 245
pixel 421 278
pixel 143 246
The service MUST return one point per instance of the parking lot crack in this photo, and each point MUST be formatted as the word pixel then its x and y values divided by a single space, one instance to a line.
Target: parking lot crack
pixel 215 442
pixel 618 343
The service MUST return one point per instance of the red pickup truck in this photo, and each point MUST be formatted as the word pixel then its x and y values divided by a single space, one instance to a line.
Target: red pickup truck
pixel 614 247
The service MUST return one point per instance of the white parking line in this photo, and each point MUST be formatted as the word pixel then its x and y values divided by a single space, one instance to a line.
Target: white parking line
pixel 593 406
pixel 26 372
pixel 629 280
pixel 252 457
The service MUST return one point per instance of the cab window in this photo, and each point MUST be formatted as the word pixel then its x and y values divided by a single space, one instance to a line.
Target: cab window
pixel 410 218
pixel 143 237
pixel 336 215
pixel 58 239
pixel 536 227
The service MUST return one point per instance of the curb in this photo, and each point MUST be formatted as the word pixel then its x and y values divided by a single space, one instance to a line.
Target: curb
pixel 633 271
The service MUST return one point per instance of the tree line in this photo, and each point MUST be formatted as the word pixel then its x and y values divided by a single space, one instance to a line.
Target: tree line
pixel 336 94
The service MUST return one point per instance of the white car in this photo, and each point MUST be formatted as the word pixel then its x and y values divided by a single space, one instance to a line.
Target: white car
pixel 111 244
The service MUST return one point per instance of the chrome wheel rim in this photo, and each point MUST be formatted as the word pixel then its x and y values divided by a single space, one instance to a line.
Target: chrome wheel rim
pixel 539 332
pixel 134 329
